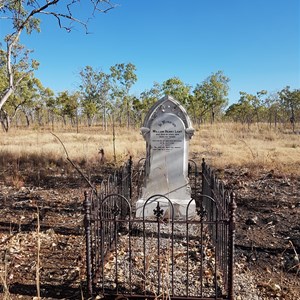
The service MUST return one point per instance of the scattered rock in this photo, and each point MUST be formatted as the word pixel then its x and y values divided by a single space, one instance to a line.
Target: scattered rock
pixel 272 220
pixel 252 221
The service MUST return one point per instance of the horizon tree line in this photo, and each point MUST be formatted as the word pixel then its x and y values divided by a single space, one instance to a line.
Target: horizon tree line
pixel 105 96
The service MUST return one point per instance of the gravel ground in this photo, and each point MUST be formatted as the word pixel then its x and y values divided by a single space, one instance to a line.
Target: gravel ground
pixel 202 280
pixel 245 287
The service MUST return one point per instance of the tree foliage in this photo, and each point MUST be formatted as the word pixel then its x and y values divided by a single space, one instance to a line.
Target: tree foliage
pixel 210 96
pixel 123 78
pixel 67 105
pixel 24 16
pixel 94 89
pixel 106 96
pixel 283 107
pixel 176 88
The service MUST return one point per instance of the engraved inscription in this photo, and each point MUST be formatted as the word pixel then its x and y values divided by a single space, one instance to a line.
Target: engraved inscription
pixel 166 140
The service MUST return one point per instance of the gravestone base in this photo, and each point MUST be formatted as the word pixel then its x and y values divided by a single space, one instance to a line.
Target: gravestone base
pixel 179 205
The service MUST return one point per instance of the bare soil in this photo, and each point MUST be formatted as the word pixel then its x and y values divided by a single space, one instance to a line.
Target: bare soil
pixel 268 230
pixel 49 202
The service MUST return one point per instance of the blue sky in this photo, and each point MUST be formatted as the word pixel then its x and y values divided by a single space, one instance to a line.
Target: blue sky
pixel 256 43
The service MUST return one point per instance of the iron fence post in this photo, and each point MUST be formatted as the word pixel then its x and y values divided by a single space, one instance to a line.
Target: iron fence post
pixel 87 225
pixel 232 220
pixel 130 177
pixel 203 182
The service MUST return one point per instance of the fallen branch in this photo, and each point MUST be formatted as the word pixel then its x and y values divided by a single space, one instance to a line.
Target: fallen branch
pixel 297 266
pixel 269 250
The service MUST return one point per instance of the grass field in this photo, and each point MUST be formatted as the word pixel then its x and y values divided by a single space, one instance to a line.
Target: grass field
pixel 222 145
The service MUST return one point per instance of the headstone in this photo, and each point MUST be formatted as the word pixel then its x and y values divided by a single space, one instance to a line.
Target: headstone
pixel 167 130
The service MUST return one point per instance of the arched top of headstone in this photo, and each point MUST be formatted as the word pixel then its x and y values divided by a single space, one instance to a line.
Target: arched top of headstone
pixel 165 105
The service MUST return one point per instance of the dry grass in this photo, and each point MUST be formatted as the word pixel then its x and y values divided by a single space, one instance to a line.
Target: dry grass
pixel 222 145
pixel 4 278
pixel 226 145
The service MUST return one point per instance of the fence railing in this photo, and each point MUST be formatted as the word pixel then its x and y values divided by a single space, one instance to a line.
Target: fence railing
pixel 222 209
pixel 159 257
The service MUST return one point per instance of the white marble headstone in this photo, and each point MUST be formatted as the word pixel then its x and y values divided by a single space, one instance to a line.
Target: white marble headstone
pixel 167 130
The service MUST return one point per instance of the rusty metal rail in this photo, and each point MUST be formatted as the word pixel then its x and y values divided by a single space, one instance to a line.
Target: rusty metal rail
pixel 159 257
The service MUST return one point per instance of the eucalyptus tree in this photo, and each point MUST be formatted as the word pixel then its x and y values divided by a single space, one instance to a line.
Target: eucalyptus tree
pixel 28 100
pixel 290 100
pixel 104 97
pixel 253 105
pixel 257 102
pixel 3 77
pixel 272 106
pixel 138 109
pixel 25 16
pixel 246 111
pixel 123 78
pixel 25 99
pixel 94 87
pixel 233 112
pixel 250 107
pixel 175 87
pixel 67 106
pixel 149 97
pixel 48 98
pixel 10 88
pixel 211 95
pixel 197 107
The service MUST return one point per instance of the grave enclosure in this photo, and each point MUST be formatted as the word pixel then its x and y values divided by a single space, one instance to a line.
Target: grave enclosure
pixel 161 227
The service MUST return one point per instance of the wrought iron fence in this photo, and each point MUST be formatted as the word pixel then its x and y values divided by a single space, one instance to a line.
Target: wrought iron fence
pixel 162 256
pixel 222 209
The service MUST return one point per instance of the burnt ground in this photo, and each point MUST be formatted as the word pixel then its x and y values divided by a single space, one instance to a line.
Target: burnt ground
pixel 50 202
pixel 268 230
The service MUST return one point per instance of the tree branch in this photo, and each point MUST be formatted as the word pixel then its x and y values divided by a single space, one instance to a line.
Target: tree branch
pixel 97 2
pixel 22 19
pixel 73 164
pixel 58 16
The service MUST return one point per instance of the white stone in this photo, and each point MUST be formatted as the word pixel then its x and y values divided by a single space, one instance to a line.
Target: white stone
pixel 167 130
